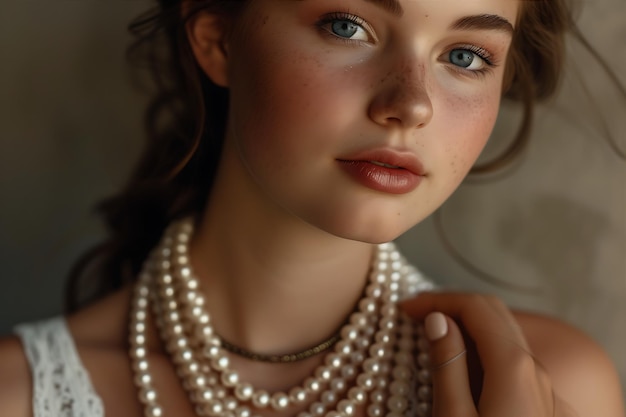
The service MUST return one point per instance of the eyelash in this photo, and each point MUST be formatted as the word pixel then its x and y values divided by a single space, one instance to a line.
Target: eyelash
pixel 480 52
pixel 342 16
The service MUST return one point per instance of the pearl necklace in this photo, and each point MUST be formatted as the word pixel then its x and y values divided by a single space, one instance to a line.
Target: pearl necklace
pixel 380 356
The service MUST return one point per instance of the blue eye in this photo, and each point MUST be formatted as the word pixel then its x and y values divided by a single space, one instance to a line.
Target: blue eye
pixel 344 28
pixel 471 59
pixel 461 57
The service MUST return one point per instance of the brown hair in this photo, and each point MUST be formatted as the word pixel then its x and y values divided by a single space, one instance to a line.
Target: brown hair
pixel 175 173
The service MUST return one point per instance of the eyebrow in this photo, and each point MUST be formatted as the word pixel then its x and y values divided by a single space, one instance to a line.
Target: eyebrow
pixel 483 22
pixel 392 6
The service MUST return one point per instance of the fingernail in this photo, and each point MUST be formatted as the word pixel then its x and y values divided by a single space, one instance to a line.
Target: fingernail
pixel 436 326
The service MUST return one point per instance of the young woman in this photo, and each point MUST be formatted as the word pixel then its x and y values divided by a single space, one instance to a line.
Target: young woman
pixel 247 254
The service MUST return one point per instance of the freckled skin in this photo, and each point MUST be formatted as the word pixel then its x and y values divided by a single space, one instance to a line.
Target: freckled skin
pixel 309 100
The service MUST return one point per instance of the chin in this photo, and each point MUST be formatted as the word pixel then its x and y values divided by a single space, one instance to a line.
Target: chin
pixel 372 232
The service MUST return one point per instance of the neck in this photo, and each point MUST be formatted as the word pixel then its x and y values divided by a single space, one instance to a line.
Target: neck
pixel 274 284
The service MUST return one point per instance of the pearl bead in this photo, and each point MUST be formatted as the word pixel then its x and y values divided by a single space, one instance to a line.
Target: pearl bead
pixel 375 410
pixel 329 397
pixel 312 384
pixel 297 395
pixel 148 395
pixel 346 407
pixel 261 399
pixel 279 401
pixel 242 412
pixel 153 411
pixel 230 378
pixel 338 385
pixel 230 403
pixel 399 388
pixel 423 409
pixel 244 391
pixel 425 393
pixel 371 365
pixel 348 371
pixel 357 395
pixel 324 373
pixel 377 396
pixel 333 360
pixel 317 409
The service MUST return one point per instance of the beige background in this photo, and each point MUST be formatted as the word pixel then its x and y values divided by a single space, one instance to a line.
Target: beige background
pixel 70 126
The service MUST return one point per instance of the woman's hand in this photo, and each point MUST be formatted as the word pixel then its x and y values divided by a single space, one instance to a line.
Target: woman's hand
pixel 514 384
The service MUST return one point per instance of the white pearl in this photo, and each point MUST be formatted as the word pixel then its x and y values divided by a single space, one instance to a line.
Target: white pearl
pixel 206 394
pixel 359 319
pixel 279 401
pixel 375 410
pixel 348 371
pixel 350 332
pixel 312 384
pixel 242 412
pixel 346 407
pixel 343 347
pixel 230 403
pixel 400 388
pixel 297 395
pixel 317 409
pixel 401 372
pixel 357 357
pixel 377 350
pixel 154 411
pixel 244 391
pixel 333 360
pixel 377 396
pixel 338 385
pixel 423 409
pixel 324 373
pixel 357 395
pixel 367 305
pixel 365 381
pixel 328 397
pixel 423 376
pixel 230 378
pixel 261 399
pixel 425 393
pixel 371 365
pixel 148 395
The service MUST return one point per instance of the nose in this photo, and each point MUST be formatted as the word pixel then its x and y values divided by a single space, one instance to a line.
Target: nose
pixel 402 99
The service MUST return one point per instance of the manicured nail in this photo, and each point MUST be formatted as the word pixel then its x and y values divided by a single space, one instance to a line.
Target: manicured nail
pixel 436 326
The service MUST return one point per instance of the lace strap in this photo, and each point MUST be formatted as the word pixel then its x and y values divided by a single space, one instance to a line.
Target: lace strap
pixel 61 384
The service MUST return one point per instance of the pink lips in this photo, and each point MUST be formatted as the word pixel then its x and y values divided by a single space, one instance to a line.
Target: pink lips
pixel 385 170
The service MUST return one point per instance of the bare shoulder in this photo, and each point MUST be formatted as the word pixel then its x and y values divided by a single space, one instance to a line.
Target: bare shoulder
pixel 15 379
pixel 581 372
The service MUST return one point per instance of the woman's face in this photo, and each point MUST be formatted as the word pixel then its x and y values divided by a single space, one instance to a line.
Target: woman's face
pixel 361 117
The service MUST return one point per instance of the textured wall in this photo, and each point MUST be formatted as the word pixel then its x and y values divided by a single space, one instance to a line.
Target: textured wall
pixel 70 128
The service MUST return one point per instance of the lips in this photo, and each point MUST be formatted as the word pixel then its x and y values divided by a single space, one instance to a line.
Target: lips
pixel 385 170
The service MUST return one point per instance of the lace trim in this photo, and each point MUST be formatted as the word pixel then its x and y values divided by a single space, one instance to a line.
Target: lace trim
pixel 61 384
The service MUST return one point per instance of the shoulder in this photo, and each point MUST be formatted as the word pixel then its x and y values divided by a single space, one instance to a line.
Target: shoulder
pixel 581 372
pixel 15 379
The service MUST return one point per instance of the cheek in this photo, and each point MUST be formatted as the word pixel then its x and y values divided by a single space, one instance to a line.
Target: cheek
pixel 471 119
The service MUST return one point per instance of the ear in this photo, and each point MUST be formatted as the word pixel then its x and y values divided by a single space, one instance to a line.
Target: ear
pixel 207 35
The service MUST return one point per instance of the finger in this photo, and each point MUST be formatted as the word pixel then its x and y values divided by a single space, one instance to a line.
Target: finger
pixel 452 394
pixel 485 318
pixel 509 368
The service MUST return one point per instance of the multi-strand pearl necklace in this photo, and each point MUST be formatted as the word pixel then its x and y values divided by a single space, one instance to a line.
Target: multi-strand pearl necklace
pixel 380 360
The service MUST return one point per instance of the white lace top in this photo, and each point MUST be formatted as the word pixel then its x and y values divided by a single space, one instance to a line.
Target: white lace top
pixel 61 384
